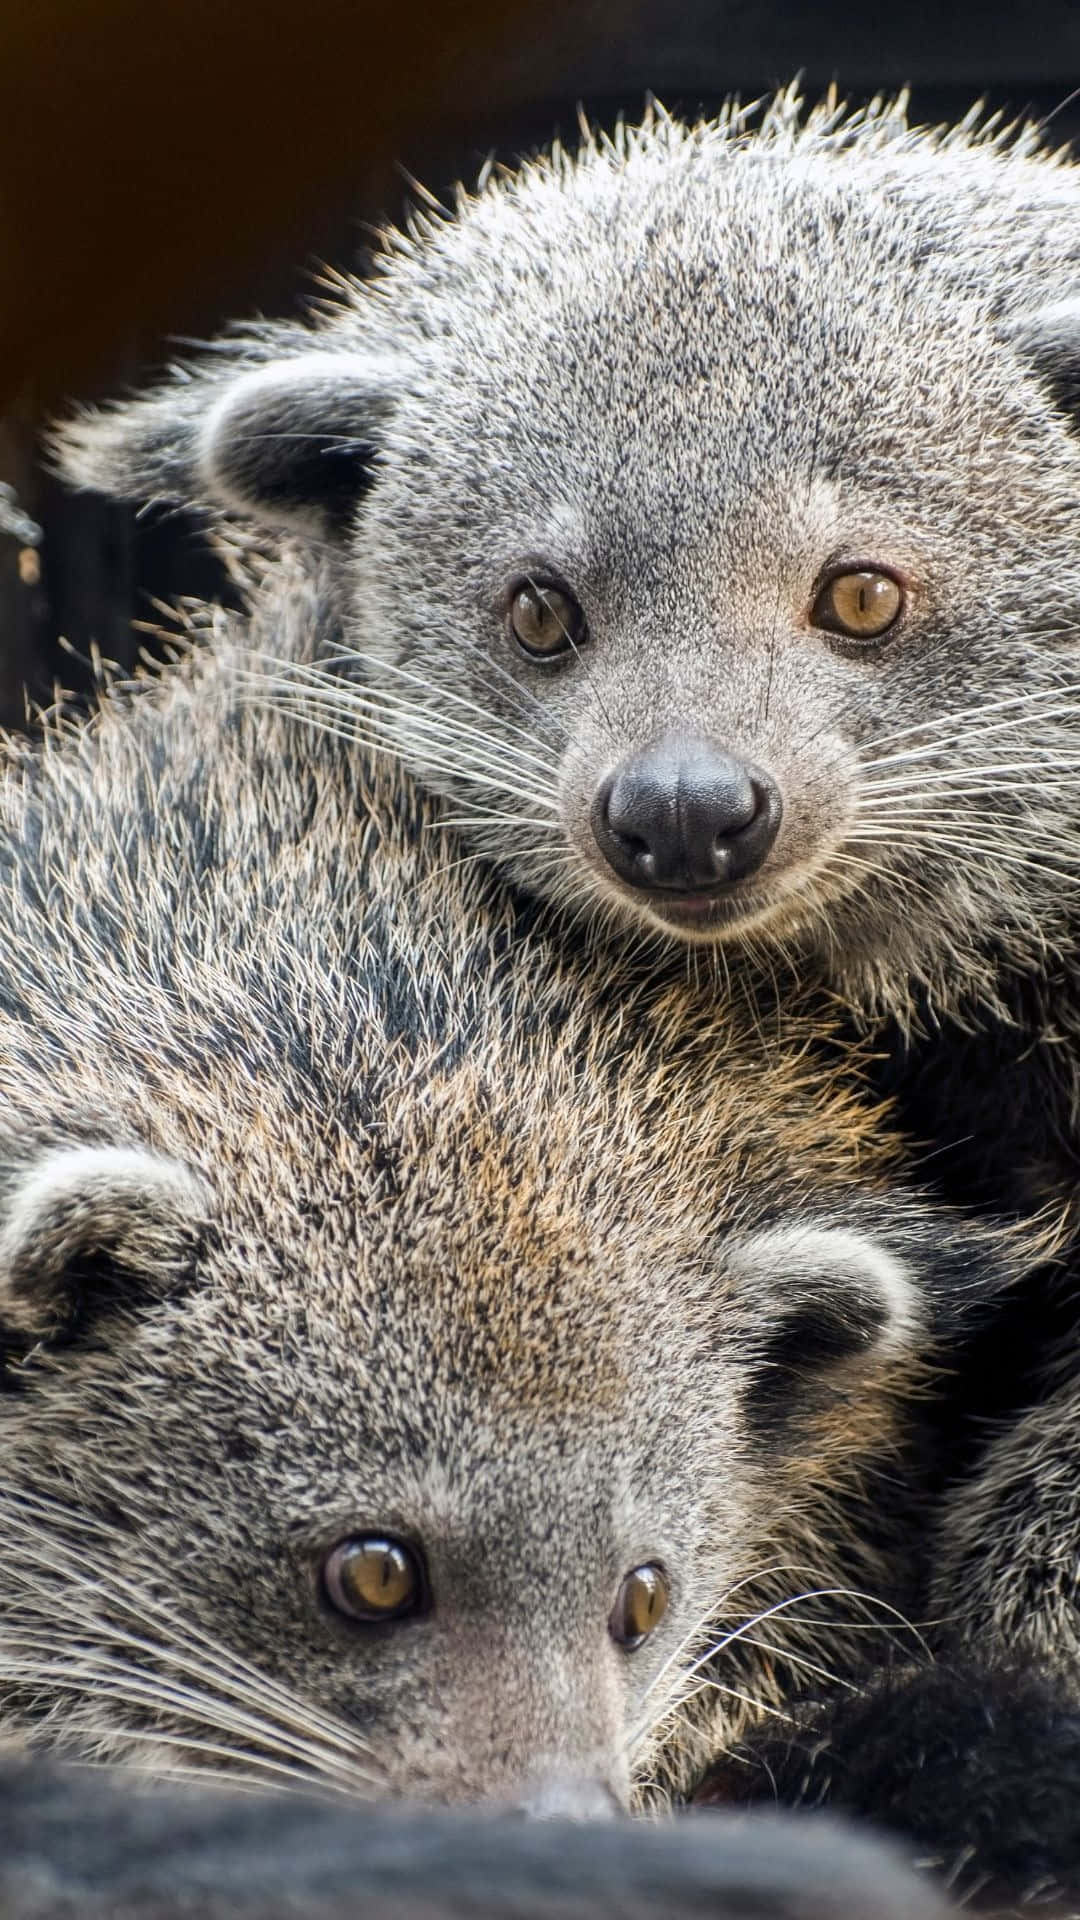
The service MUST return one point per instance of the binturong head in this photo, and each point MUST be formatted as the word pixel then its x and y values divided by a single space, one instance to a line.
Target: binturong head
pixel 419 1365
pixel 702 508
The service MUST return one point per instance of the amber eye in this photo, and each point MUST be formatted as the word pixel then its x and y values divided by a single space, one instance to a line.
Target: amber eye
pixel 861 606
pixel 640 1605
pixel 374 1577
pixel 545 621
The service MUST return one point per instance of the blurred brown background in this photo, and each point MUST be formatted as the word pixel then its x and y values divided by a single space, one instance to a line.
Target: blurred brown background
pixel 165 167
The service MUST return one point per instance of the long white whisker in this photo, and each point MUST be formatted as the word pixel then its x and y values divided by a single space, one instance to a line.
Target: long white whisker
pixel 957 718
pixel 226 1707
pixel 445 695
pixel 994 821
pixel 471 748
pixel 978 778
pixel 960 850
pixel 783 1606
pixel 709 1616
pixel 269 1772
pixel 132 1686
pixel 708 1685
pixel 231 1780
pixel 327 672
pixel 376 715
pixel 481 818
pixel 209 1659
pixel 523 700
pixel 394 751
pixel 800 1660
pixel 373 719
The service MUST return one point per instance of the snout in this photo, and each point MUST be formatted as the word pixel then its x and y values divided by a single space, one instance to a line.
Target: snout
pixel 572 1796
pixel 685 817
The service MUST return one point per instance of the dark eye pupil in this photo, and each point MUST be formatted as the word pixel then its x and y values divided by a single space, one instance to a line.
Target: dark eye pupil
pixel 539 612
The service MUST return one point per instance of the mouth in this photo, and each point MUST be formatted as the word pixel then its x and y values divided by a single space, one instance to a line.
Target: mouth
pixel 785 897
pixel 704 913
pixel 695 908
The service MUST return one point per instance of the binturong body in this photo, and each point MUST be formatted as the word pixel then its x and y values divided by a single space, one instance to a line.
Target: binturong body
pixel 75 1844
pixel 424 1371
pixel 701 516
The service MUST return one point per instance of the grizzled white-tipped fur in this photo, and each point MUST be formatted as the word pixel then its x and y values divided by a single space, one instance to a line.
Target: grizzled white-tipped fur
pixel 681 375
pixel 548 1282
pixel 684 378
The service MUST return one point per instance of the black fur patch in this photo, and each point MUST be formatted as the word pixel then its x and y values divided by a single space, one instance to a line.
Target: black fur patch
pixel 802 1350
pixel 978 1768
pixel 294 447
pixel 313 470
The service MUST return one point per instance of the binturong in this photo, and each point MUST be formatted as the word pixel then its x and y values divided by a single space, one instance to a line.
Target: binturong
pixel 700 511
pixel 703 513
pixel 424 1371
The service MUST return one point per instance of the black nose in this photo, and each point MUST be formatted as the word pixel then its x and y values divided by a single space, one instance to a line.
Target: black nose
pixel 685 817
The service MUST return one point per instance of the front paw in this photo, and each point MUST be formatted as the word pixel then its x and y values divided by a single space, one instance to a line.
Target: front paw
pixel 978 1768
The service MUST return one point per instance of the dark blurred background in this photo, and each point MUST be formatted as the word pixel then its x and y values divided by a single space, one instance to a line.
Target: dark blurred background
pixel 164 168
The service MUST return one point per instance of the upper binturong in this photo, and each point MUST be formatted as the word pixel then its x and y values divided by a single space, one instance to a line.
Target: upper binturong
pixel 701 516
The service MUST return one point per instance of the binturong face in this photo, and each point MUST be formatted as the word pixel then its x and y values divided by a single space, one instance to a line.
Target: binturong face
pixel 394 1465
pixel 423 1371
pixel 703 513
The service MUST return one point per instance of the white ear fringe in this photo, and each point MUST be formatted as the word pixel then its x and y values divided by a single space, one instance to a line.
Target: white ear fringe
pixel 75 1198
pixel 829 1255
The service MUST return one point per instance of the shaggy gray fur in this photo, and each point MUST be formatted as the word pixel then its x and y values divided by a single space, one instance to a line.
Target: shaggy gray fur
pixel 337 1195
pixel 686 374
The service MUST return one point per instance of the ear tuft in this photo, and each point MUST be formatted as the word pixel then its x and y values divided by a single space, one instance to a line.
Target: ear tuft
pixel 291 444
pixel 80 1224
pixel 886 1284
pixel 834 1299
pixel 283 438
pixel 1048 339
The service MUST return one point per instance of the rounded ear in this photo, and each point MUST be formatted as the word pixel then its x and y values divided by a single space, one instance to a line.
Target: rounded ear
pixel 881 1286
pixel 80 1226
pixel 286 439
pixel 1048 339
pixel 833 1299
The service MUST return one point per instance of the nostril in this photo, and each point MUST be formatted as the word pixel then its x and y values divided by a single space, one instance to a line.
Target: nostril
pixel 637 849
pixel 720 852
